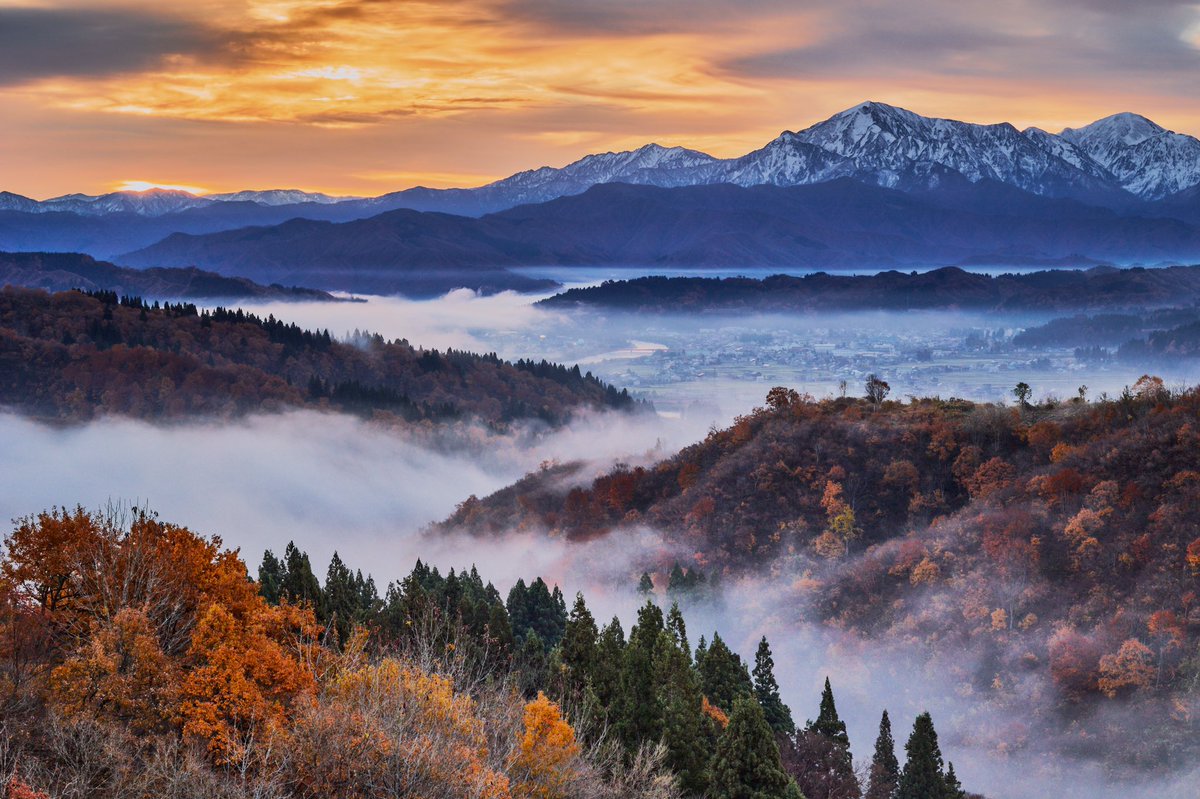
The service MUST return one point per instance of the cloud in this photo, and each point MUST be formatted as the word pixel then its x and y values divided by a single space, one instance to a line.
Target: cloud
pixel 326 481
pixel 93 42
pixel 251 91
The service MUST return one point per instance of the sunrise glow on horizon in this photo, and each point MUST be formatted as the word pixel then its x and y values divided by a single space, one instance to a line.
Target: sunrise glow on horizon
pixel 363 98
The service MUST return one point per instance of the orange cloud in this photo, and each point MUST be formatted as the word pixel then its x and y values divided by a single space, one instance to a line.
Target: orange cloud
pixel 337 93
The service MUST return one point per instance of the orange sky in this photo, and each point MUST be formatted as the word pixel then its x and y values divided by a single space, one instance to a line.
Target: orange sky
pixel 369 96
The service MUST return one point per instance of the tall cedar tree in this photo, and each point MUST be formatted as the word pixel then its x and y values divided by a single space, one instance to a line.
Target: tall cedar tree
pixel 678 629
pixel 954 789
pixel 885 768
pixel 723 676
pixel 270 578
pixel 684 733
pixel 640 712
pixel 579 644
pixel 746 764
pixel 819 756
pixel 341 598
pixel 766 690
pixel 606 672
pixel 300 585
pixel 922 777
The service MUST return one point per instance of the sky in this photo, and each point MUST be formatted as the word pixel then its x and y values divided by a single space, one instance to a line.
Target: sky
pixel 369 96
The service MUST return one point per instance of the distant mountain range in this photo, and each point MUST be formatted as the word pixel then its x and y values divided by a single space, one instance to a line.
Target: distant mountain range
pixel 1117 158
pixel 839 224
pixel 65 271
pixel 872 186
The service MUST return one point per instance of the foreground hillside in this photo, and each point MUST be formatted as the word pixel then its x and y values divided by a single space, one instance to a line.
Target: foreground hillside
pixel 138 659
pixel 1044 560
pixel 74 356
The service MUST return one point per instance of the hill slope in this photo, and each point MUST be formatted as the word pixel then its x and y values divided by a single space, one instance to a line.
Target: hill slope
pixel 1044 559
pixel 74 356
pixel 65 271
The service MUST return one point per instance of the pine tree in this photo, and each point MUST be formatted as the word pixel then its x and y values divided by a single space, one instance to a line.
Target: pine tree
pixel 678 630
pixel 688 749
pixel 300 584
pixel 533 664
pixel 746 764
pixel 954 789
pixel 270 578
pixel 819 757
pixel 922 777
pixel 341 598
pixel 579 644
pixel 518 609
pixel 723 676
pixel 828 723
pixel 766 690
pixel 640 711
pixel 885 769
pixel 606 673
pixel 645 585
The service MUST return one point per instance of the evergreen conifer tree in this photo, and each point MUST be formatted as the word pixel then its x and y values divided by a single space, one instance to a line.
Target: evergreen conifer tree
pixel 954 789
pixel 341 598
pixel 885 769
pixel 270 578
pixel 300 585
pixel 645 585
pixel 746 764
pixel 922 777
pixel 606 672
pixel 640 711
pixel 723 676
pixel 766 690
pixel 678 630
pixel 579 644
pixel 688 750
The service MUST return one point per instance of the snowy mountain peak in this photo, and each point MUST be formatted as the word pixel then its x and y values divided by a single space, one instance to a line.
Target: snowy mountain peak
pixel 1126 128
pixel 278 197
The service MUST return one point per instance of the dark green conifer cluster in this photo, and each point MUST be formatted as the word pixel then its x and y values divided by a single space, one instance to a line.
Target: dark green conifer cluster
pixel 724 727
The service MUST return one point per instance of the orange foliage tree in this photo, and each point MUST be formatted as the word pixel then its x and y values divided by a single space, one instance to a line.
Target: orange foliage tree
pixel 542 765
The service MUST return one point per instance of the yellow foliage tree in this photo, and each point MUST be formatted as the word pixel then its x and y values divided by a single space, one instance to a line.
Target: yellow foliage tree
pixel 1131 668
pixel 436 741
pixel 542 766
pixel 246 673
pixel 119 672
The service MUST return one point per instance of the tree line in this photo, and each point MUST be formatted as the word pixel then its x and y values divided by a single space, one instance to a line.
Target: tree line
pixel 138 659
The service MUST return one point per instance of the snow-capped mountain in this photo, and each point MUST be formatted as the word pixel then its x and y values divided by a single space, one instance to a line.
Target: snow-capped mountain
pixel 278 197
pixel 1113 162
pixel 885 144
pixel 1144 158
pixel 651 164
pixel 152 202
pixel 157 202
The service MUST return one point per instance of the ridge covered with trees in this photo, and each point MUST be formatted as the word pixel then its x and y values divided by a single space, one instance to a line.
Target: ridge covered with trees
pixel 63 271
pixel 137 659
pixel 77 355
pixel 1043 559
pixel 1100 287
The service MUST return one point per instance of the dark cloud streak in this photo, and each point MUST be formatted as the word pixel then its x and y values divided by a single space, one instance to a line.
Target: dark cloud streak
pixel 40 43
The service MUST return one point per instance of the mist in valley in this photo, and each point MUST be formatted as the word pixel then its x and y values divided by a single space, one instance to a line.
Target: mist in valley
pixel 331 482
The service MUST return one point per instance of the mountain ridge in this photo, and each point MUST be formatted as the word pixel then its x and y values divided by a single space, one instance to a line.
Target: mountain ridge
pixel 874 141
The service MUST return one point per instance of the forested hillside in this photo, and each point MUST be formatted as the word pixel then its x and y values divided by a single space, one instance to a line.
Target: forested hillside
pixel 137 659
pixel 1043 559
pixel 75 356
